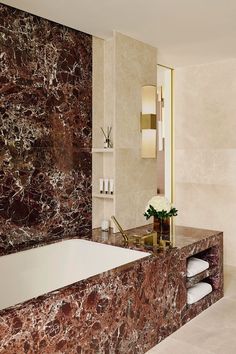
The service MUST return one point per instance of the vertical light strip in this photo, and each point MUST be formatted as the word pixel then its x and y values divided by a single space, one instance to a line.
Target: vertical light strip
pixel 148 122
pixel 160 138
pixel 172 138
pixel 172 187
pixel 149 142
pixel 149 99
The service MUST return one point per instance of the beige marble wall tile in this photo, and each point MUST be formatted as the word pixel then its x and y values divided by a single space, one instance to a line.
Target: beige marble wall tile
pixel 130 207
pixel 109 82
pixel 98 90
pixel 211 207
pixel 135 178
pixel 205 106
pixel 98 208
pixel 205 157
pixel 206 166
pixel 133 173
pixel 135 67
pixel 122 66
pixel 142 198
pixel 98 117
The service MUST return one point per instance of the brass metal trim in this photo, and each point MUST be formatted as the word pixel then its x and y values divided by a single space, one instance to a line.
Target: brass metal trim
pixel 165 66
pixel 172 139
pixel 172 186
pixel 125 237
pixel 148 121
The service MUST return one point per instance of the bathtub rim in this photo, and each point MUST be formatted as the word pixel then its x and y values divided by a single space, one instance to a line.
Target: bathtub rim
pixel 113 271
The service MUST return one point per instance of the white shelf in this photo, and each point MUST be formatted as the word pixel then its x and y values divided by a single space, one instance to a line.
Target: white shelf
pixel 103 196
pixel 102 150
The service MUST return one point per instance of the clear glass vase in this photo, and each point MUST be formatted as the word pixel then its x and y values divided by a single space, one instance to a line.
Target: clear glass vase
pixel 162 228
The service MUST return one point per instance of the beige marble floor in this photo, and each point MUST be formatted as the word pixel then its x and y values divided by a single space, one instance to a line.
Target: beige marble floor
pixel 212 332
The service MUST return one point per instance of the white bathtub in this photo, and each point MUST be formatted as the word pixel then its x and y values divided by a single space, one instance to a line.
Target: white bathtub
pixel 28 274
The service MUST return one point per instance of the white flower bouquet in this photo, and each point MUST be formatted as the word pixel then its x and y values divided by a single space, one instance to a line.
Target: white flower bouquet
pixel 160 208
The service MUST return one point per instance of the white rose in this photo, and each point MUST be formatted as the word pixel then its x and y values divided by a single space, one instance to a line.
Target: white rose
pixel 159 203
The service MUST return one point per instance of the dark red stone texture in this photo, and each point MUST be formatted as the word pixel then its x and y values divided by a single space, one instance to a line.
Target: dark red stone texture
pixel 45 131
pixel 126 310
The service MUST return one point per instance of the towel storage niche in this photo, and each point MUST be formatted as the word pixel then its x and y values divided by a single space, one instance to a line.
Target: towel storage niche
pixel 209 275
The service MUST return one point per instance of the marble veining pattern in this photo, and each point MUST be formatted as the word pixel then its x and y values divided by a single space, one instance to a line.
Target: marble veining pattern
pixel 125 310
pixel 45 131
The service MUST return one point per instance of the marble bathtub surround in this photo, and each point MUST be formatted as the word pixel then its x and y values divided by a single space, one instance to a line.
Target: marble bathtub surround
pixel 45 131
pixel 211 332
pixel 125 310
pixel 24 276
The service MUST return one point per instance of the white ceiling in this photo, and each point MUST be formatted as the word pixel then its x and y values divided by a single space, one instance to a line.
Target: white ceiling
pixel 186 32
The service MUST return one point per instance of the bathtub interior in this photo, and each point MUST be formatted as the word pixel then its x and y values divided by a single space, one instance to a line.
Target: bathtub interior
pixel 28 274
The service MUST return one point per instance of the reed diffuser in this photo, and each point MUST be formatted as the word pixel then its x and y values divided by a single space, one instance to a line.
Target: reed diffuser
pixel 107 136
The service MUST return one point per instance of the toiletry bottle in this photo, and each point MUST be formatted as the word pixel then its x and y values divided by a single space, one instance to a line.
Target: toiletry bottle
pixel 106 184
pixel 101 185
pixel 111 182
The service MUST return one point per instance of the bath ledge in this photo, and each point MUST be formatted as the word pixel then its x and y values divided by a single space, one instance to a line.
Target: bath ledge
pixel 24 276
pixel 183 237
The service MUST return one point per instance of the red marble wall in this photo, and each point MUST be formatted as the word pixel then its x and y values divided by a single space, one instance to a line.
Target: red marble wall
pixel 45 131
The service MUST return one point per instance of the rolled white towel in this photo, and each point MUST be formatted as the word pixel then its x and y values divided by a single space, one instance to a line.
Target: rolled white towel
pixel 195 266
pixel 197 292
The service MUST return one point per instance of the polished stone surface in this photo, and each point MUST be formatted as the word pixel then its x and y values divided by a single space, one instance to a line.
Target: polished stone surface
pixel 182 236
pixel 45 131
pixel 212 332
pixel 187 241
pixel 125 310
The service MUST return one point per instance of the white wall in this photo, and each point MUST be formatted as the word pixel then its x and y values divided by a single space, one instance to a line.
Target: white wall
pixel 205 142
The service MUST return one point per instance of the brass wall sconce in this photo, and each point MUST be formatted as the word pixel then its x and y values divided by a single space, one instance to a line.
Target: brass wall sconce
pixel 148 121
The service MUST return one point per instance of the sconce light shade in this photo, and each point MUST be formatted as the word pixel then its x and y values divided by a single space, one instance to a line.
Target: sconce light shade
pixel 149 140
pixel 148 122
pixel 149 100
